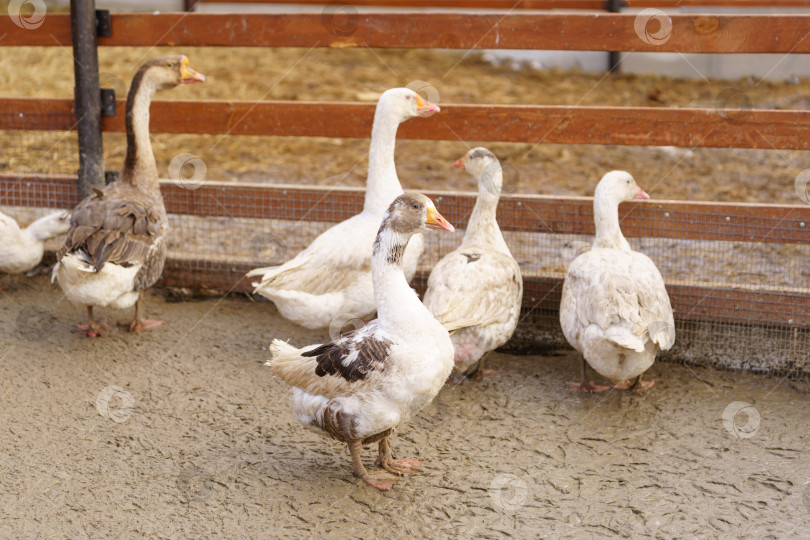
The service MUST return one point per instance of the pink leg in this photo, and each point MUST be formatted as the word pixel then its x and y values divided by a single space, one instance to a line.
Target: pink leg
pixel 92 328
pixel 139 323
pixel 396 466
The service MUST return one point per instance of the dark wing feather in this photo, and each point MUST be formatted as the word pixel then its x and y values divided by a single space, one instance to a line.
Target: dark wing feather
pixel 117 226
pixel 352 356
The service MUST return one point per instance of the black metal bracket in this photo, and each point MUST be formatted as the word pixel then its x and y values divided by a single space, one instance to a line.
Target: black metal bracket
pixel 108 102
pixel 110 177
pixel 103 26
pixel 613 6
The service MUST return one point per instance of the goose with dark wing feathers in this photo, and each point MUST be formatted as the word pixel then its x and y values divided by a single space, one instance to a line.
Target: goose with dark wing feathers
pixel 359 387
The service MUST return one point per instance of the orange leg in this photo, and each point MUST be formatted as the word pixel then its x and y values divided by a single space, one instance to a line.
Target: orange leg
pixel 139 323
pixel 92 328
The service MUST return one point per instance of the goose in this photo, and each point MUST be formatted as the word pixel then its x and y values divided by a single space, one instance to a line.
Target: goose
pixel 21 250
pixel 476 291
pixel 115 247
pixel 360 386
pixel 330 280
pixel 615 309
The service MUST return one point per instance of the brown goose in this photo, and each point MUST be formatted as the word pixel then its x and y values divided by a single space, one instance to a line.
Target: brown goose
pixel 115 248
pixel 359 387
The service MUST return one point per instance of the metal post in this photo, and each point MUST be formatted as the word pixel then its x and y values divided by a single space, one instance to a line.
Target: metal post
pixel 614 6
pixel 87 95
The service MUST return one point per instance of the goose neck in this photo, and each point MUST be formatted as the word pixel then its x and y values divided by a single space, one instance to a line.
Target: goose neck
pixel 139 165
pixel 397 304
pixel 606 220
pixel 382 185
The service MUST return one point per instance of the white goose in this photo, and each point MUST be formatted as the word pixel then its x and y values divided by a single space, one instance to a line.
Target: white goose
pixel 22 249
pixel 359 387
pixel 615 309
pixel 331 279
pixel 476 290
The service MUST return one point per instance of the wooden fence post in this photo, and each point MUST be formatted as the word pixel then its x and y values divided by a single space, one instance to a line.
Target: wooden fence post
pixel 87 95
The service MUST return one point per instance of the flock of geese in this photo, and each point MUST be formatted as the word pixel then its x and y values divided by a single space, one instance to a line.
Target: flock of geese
pixel 360 386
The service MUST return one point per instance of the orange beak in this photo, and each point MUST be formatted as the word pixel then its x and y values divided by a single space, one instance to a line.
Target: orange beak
pixel 460 163
pixel 425 108
pixel 640 194
pixel 189 76
pixel 436 221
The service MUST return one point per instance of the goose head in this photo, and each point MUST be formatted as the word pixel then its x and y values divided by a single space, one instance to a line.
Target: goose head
pixel 617 187
pixel 167 72
pixel 483 165
pixel 404 103
pixel 54 224
pixel 412 213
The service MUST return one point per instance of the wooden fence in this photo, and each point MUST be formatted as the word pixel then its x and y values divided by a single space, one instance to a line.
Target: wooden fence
pixel 767 129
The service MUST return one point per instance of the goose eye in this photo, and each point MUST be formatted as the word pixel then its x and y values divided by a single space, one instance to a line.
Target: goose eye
pixel 407 97
pixel 416 207
pixel 169 65
pixel 628 181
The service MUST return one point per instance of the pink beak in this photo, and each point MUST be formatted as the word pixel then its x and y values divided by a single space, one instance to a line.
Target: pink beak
pixel 459 164
pixel 640 194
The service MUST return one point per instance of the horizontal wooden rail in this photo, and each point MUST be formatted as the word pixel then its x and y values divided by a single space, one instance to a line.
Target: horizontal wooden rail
pixel 549 31
pixel 595 5
pixel 645 126
pixel 731 222
pixel 690 303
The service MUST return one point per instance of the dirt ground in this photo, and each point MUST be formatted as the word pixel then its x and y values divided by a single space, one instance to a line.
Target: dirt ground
pixel 735 175
pixel 182 432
